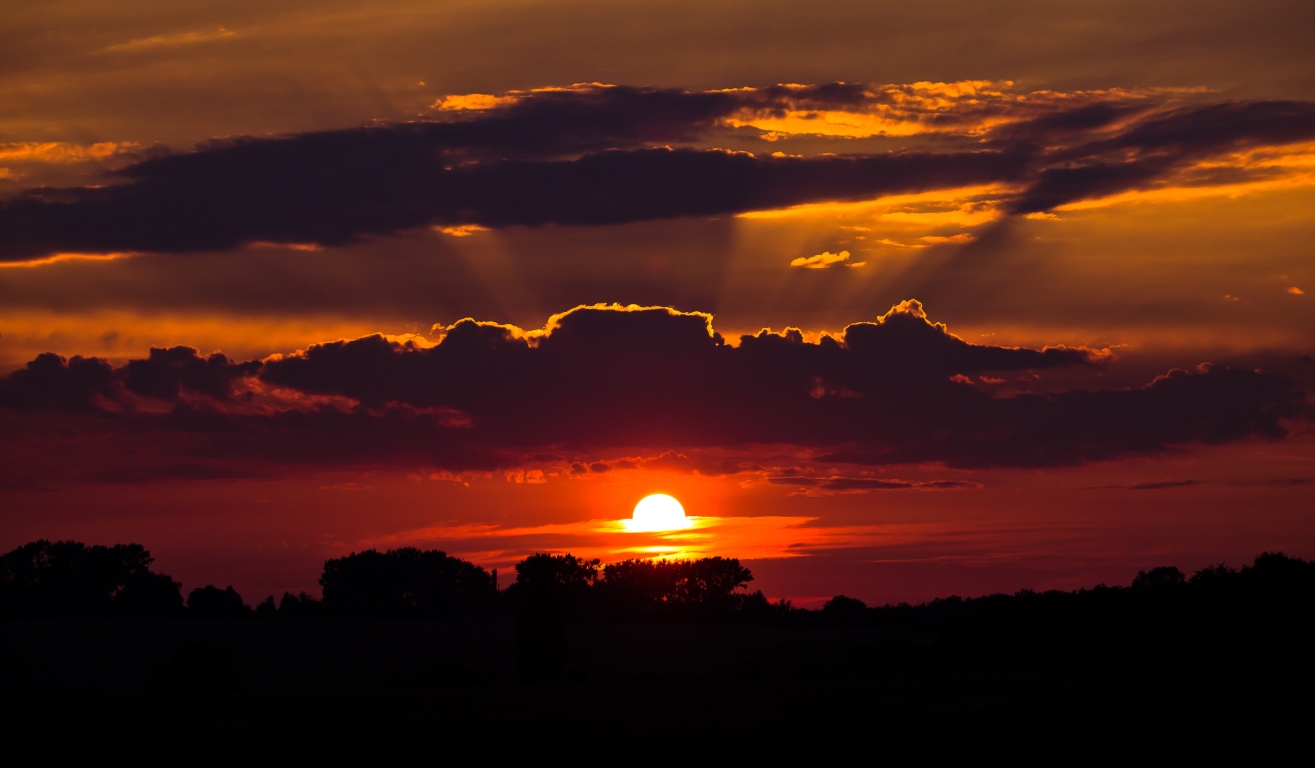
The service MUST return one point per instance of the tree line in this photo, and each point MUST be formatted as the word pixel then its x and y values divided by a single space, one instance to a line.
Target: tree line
pixel 69 579
pixel 1265 610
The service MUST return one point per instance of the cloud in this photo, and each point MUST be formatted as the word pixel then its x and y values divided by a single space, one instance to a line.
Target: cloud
pixel 1151 151
pixel 1164 484
pixel 592 155
pixel 959 239
pixel 170 41
pixel 338 188
pixel 64 152
pixel 168 373
pixel 841 484
pixel 609 382
pixel 824 260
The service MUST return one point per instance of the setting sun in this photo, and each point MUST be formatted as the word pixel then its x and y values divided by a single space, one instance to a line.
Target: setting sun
pixel 658 512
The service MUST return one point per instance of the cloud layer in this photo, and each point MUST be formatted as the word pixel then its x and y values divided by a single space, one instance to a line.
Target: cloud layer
pixel 607 381
pixel 597 154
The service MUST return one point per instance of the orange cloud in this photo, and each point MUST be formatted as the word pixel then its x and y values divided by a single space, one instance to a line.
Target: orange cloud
pixel 465 230
pixel 825 260
pixel 966 107
pixel 58 257
pixel 471 101
pixel 63 152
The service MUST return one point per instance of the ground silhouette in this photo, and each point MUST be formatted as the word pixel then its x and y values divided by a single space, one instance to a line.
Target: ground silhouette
pixel 1264 610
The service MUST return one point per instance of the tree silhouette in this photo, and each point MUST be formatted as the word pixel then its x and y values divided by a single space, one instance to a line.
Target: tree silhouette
pixel 547 587
pixel 1158 577
pixel 211 602
pixel 844 610
pixel 300 604
pixel 69 579
pixel 405 582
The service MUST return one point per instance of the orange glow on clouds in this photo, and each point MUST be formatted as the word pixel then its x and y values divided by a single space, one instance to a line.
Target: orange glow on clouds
pixel 59 257
pixel 62 151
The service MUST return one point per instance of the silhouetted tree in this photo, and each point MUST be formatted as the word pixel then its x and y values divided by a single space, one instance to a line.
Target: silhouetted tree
pixel 1214 577
pixel 68 578
pixel 711 582
pixel 300 604
pixel 704 589
pixel 1159 577
pixel 546 587
pixel 844 610
pixel 211 602
pixel 566 576
pixel 639 585
pixel 405 582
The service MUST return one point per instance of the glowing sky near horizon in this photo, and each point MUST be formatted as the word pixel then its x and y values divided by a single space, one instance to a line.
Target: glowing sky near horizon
pixel 484 275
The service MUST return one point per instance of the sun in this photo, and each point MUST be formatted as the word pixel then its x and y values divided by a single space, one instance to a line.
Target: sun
pixel 658 512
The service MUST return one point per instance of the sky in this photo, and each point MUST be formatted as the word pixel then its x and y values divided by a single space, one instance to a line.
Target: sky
pixel 899 300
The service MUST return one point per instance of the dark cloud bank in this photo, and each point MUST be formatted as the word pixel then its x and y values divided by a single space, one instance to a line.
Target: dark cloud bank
pixel 606 381
pixel 604 155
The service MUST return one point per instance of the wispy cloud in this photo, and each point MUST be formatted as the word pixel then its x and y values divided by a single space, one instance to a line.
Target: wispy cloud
pixel 170 41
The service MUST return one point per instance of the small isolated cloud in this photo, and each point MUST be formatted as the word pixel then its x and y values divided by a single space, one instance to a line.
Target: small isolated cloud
pixel 938 239
pixel 465 230
pixel 825 260
pixel 266 245
pixel 472 101
pixel 1295 291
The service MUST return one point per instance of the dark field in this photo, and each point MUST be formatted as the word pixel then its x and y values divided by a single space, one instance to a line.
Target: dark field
pixel 433 690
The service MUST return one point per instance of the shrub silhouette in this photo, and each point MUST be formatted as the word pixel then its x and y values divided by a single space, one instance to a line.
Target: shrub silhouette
pixel 69 579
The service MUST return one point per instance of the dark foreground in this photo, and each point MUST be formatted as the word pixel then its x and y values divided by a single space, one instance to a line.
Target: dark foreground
pixel 445 690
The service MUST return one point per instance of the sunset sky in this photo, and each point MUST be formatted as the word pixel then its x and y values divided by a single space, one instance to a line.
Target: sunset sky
pixel 898 299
